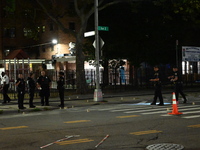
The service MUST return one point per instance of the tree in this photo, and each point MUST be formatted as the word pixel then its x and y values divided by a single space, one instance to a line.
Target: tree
pixel 84 10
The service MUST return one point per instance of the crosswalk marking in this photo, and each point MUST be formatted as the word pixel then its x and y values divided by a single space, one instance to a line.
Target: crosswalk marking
pixel 145 132
pixel 127 116
pixel 118 110
pixel 119 107
pixel 144 110
pixel 189 111
pixel 9 128
pixel 77 121
pixel 194 116
pixel 184 113
pixel 158 112
pixel 74 141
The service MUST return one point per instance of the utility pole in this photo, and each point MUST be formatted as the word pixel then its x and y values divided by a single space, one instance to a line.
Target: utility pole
pixel 97 92
pixel 177 65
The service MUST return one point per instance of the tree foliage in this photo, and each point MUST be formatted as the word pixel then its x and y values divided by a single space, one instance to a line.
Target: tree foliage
pixel 140 31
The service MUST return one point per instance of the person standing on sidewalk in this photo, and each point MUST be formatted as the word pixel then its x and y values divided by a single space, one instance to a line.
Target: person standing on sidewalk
pixel 178 84
pixel 61 88
pixel 31 89
pixel 5 86
pixel 44 85
pixel 21 91
pixel 158 87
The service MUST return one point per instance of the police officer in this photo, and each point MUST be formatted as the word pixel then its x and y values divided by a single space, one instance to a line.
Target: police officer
pixel 31 89
pixel 44 85
pixel 158 87
pixel 61 88
pixel 21 91
pixel 178 85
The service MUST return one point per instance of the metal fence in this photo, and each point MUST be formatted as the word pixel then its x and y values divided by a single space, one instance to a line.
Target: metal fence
pixel 114 79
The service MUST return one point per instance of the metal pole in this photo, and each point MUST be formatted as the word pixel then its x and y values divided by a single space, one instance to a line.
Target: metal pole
pixel 177 53
pixel 15 74
pixel 97 92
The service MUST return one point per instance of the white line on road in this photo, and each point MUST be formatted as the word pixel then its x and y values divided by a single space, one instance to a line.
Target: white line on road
pixel 128 112
pixel 157 112
pixel 194 116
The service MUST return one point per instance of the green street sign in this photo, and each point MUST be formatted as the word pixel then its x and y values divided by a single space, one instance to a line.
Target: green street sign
pixel 103 28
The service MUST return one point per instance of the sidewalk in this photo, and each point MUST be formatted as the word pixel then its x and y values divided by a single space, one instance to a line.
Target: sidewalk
pixel 87 100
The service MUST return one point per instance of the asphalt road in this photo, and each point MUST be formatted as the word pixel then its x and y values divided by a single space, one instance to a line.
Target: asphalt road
pixel 118 126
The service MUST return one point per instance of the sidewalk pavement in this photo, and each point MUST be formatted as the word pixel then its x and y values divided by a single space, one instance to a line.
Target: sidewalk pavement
pixel 72 101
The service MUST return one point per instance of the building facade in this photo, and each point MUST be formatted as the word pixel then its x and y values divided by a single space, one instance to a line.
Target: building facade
pixel 16 35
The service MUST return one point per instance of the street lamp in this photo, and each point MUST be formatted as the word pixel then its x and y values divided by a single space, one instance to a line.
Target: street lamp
pixel 54 41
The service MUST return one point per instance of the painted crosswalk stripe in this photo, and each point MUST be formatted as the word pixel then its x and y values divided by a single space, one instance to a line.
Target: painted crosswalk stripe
pixel 9 128
pixel 134 109
pixel 194 126
pixel 74 141
pixel 184 113
pixel 155 109
pixel 77 121
pixel 193 116
pixel 127 116
pixel 157 112
pixel 119 108
pixel 144 110
pixel 145 132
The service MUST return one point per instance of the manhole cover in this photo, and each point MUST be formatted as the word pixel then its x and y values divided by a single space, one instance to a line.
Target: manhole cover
pixel 165 146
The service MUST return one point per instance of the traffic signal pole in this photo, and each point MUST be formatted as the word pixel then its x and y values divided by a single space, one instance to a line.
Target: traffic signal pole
pixel 97 92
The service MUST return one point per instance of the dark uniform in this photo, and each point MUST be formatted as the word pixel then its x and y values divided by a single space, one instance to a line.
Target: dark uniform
pixel 178 85
pixel 21 92
pixel 158 89
pixel 61 88
pixel 31 90
pixel 44 82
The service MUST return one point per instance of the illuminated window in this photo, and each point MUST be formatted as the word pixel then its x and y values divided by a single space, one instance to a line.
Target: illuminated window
pixel 43 29
pixel 27 32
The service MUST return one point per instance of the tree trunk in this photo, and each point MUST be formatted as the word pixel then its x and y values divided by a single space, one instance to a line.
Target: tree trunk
pixel 81 85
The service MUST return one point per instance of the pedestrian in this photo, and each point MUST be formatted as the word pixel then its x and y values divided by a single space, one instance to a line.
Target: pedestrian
pixel 178 84
pixel 31 89
pixel 44 85
pixel 61 88
pixel 21 91
pixel 5 86
pixel 158 87
pixel 122 74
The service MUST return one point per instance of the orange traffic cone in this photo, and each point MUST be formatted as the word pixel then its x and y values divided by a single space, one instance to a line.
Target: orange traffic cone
pixel 174 106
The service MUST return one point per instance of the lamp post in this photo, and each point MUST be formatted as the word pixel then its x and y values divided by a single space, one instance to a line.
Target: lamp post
pixel 54 41
pixel 97 92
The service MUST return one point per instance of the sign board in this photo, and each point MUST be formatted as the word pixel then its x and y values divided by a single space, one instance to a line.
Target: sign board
pixel 190 53
pixel 90 33
pixel 103 28
pixel 101 43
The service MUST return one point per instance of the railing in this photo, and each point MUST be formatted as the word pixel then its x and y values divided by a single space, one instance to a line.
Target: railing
pixel 114 80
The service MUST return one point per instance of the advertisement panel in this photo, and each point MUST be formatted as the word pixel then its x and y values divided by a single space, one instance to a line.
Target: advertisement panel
pixel 190 53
